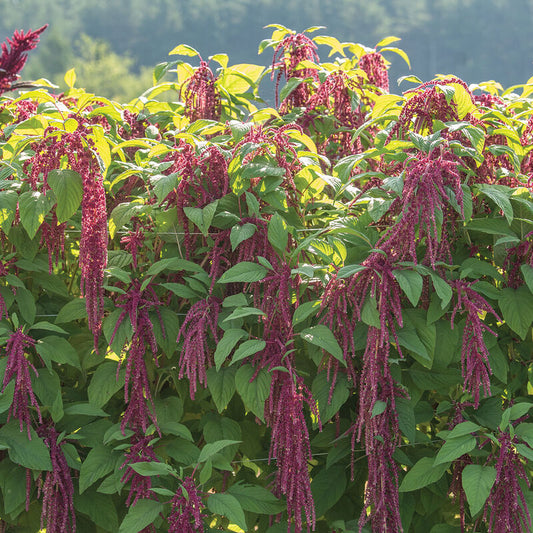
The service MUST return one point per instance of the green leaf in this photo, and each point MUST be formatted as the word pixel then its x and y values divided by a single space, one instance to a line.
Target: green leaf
pixel 406 419
pixel 321 388
pixel 462 429
pixel 305 310
pixel 104 383
pixel 58 349
pixel 14 488
pixel 47 326
pixel 327 487
pixel 516 306
pixel 411 284
pixel 48 389
pixel 227 505
pixel 68 189
pixel 443 290
pixel 242 312
pixel 99 508
pixel 525 432
pixel 28 453
pixel 248 348
pixel 241 233
pixel 278 234
pixel 33 208
pixel 253 393
pixel 175 264
pixel 213 448
pixel 422 474
pixel 84 409
pixel 320 335
pixel 244 272
pixel 163 185
pixel 202 218
pixel 140 515
pixel 477 483
pixel 26 303
pixel 99 461
pixel 454 448
pixel 491 226
pixel 256 499
pixel 226 344
pixel 527 272
pixel 221 385
pixel 152 468
pixel 6 397
pixel 8 208
pixel 74 310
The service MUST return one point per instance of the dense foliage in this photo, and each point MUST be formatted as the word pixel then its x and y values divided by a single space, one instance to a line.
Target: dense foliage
pixel 222 316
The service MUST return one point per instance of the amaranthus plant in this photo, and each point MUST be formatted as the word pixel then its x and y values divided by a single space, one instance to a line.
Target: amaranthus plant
pixel 220 315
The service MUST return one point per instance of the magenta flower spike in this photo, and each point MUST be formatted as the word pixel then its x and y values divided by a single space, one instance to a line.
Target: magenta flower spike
pixel 18 366
pixel 186 511
pixel 14 58
pixel 58 513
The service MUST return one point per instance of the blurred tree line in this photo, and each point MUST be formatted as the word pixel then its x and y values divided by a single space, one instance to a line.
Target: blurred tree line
pixel 114 45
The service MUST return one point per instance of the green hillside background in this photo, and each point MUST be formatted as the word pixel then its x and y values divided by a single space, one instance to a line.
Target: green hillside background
pixel 114 44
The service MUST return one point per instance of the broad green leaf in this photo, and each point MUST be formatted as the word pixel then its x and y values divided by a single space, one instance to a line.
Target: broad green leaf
pixel 422 474
pixel 28 453
pixel 152 468
pixel 248 348
pixel 278 234
pixel 174 264
pixel 8 208
pixel 305 310
pixel 227 505
pixel 500 196
pixel 47 387
pixel 327 487
pixel 105 383
pixel 74 310
pixel 443 290
pixel 6 397
pixel 525 432
pixel 320 335
pixel 58 349
pixel 226 344
pixel 13 488
pixel 184 50
pixel 406 418
pixel 140 515
pixel 321 388
pixel 527 272
pixel 411 284
pixel 68 189
pixel 99 461
pixel 242 312
pixel 47 326
pixel 212 448
pixel 221 384
pixel 241 233
pixel 33 208
pixel 516 306
pixel 256 499
pixel 491 226
pixel 454 448
pixel 99 508
pixel 477 483
pixel 244 272
pixel 253 392
pixel 202 218
pixel 163 185
pixel 84 409
pixel 26 304
pixel 462 429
